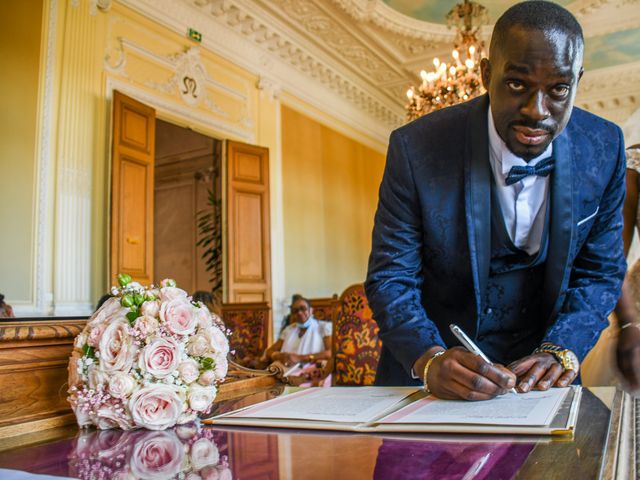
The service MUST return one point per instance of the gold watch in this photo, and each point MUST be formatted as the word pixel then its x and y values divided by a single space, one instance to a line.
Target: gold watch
pixel 565 357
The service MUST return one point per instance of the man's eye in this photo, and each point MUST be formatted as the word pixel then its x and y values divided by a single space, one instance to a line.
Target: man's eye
pixel 515 86
pixel 560 91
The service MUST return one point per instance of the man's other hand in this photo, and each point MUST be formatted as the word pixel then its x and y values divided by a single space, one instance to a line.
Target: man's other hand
pixel 460 374
pixel 541 371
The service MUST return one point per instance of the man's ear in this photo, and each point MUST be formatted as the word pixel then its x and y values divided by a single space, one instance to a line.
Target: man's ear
pixel 485 70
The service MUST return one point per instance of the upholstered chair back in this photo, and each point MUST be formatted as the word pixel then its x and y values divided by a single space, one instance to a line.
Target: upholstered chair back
pixel 355 346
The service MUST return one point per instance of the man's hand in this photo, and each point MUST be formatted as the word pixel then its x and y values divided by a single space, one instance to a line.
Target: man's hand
pixel 460 374
pixel 628 355
pixel 541 371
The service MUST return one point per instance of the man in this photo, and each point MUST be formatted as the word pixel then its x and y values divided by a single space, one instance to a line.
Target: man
pixel 522 260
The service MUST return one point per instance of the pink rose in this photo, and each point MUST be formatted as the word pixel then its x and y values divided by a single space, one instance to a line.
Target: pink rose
pixel 204 453
pixel 112 416
pixel 160 358
pixel 156 407
pixel 81 339
pixel 121 385
pixel 187 418
pixel 146 325
pixel 150 308
pixel 157 455
pixel 117 350
pixel 111 309
pixel 189 371
pixel 207 377
pixel 216 473
pixel 200 397
pixel 221 366
pixel 172 293
pixel 179 317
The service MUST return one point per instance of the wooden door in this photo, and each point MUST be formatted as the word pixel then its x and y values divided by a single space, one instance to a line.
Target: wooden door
pixel 248 259
pixel 132 189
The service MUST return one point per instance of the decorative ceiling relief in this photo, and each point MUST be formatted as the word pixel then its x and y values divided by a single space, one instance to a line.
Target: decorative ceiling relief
pixel 355 58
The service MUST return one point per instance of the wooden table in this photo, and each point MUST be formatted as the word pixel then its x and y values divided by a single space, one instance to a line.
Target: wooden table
pixel 602 448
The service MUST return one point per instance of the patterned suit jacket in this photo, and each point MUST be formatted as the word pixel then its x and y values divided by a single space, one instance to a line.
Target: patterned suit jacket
pixel 430 256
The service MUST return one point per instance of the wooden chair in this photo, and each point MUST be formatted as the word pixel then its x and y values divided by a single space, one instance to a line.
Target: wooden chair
pixel 355 345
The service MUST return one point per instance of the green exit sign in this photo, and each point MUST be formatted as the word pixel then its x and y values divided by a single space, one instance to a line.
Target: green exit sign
pixel 194 35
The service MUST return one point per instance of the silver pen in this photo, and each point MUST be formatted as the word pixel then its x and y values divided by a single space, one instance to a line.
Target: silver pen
pixel 469 345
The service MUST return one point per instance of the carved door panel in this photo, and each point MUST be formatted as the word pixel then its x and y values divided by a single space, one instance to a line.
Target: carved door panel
pixel 132 189
pixel 248 259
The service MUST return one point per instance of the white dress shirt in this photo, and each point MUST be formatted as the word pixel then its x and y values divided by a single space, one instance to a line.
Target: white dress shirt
pixel 523 204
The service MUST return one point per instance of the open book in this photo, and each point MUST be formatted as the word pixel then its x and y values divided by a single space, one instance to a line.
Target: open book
pixel 408 409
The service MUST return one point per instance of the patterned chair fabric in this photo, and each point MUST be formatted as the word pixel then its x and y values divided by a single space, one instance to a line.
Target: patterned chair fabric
pixel 356 346
pixel 249 324
pixel 323 308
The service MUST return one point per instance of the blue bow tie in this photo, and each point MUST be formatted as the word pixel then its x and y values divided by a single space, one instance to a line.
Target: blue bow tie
pixel 541 169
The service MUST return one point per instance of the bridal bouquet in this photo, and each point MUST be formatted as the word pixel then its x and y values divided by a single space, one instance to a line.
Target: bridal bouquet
pixel 148 358
pixel 186 452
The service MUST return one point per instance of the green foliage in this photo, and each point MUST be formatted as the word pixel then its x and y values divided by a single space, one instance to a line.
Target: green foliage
pixel 132 315
pixel 124 279
pixel 207 363
pixel 88 351
pixel 209 222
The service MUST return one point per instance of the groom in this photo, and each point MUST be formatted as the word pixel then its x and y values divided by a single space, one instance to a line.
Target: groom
pixel 502 215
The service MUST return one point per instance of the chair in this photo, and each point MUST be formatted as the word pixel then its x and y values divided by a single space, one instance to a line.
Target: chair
pixel 355 343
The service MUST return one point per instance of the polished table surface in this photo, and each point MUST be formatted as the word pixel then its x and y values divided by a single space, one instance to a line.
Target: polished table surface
pixel 192 452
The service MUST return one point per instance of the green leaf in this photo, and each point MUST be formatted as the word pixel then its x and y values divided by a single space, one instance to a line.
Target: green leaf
pixel 131 316
pixel 88 351
pixel 127 301
pixel 207 363
pixel 138 298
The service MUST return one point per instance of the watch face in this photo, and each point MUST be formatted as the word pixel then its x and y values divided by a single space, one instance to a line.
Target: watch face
pixel 570 360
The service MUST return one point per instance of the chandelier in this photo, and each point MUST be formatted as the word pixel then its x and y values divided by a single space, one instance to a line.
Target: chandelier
pixel 458 80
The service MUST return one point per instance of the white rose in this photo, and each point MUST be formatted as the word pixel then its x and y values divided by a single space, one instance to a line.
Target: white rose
pixel 217 340
pixel 109 416
pixel 203 317
pixel 82 416
pixel 156 407
pixel 160 358
pixel 186 418
pixel 204 453
pixel 111 309
pixel 207 377
pixel 97 377
pixel 121 385
pixel 198 345
pixel 221 367
pixel 150 308
pixel 200 397
pixel 117 350
pixel 189 371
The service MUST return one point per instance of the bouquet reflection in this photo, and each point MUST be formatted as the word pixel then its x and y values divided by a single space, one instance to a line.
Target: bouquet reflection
pixel 187 452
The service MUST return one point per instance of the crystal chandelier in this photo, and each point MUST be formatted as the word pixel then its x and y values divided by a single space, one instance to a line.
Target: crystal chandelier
pixel 459 80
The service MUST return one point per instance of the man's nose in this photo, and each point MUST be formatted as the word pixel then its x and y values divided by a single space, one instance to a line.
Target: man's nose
pixel 535 107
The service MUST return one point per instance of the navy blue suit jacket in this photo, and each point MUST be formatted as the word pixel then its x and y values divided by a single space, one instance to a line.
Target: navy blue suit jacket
pixel 430 254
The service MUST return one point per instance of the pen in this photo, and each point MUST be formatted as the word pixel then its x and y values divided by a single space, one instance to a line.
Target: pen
pixel 469 345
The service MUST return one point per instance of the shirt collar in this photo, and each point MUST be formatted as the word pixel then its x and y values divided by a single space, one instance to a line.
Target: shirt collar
pixel 501 153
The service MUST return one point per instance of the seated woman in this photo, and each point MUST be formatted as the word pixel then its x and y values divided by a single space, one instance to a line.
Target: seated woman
pixel 304 342
pixel 5 309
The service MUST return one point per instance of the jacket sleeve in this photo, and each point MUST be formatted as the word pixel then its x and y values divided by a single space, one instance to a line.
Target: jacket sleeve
pixel 394 279
pixel 597 273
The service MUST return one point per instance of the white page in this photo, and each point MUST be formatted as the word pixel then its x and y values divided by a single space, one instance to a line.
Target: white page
pixel 335 404
pixel 523 409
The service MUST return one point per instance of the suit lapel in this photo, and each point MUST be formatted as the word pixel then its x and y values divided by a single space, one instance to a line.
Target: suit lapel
pixel 478 199
pixel 561 222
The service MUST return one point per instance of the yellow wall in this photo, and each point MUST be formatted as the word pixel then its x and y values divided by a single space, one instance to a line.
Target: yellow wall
pixel 330 192
pixel 20 25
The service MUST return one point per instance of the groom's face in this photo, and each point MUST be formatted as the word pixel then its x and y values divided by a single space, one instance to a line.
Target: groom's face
pixel 532 79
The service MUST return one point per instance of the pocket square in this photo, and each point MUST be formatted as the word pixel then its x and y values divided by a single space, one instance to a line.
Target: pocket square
pixel 586 219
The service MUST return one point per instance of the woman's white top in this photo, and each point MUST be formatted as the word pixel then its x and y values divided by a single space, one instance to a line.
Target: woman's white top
pixel 311 342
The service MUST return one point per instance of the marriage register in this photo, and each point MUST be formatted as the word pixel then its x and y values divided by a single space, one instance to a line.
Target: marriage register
pixel 408 409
